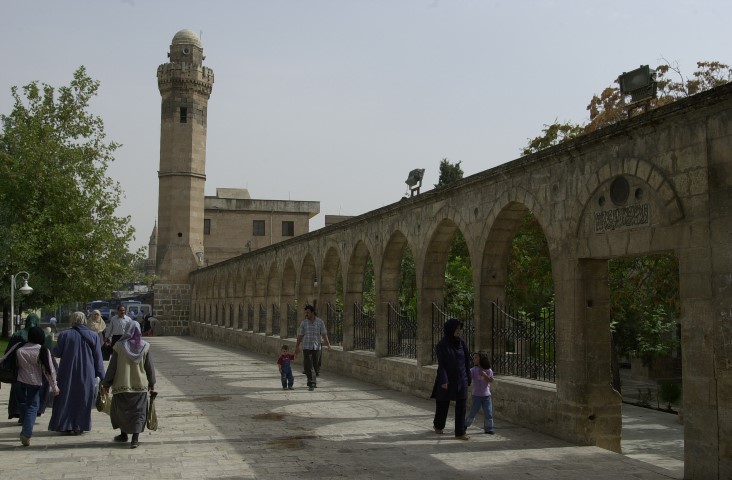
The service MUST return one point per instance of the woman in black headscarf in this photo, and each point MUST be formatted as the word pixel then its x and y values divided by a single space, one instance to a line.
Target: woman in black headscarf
pixel 453 378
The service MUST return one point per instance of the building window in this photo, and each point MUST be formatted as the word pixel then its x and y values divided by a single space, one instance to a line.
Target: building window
pixel 288 228
pixel 207 226
pixel 183 115
pixel 258 228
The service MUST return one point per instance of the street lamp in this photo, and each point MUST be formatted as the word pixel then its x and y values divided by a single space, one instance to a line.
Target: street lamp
pixel 25 290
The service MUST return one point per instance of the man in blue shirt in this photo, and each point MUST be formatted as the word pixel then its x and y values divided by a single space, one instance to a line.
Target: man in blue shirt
pixel 309 335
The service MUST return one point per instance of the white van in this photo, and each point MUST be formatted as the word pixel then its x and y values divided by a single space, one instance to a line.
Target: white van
pixel 137 311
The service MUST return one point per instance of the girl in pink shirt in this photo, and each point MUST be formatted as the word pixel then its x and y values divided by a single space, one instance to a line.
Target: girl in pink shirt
pixel 482 376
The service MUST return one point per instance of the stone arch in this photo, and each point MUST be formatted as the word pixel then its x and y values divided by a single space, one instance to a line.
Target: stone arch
pixel 260 298
pixel 331 273
pixel 249 301
pixel 273 300
pixel 658 183
pixel 307 290
pixel 353 290
pixel 388 284
pixel 288 299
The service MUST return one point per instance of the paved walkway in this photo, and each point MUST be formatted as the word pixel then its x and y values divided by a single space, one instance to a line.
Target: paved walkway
pixel 224 415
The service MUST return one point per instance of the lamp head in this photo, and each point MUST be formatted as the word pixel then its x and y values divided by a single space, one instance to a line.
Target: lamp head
pixel 25 289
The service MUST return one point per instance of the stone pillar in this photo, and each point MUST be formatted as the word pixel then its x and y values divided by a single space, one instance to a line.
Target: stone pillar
pixel 589 408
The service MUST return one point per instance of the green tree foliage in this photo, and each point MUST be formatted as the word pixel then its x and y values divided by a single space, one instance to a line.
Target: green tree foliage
pixel 408 282
pixel 56 202
pixel 609 106
pixel 644 304
pixel 530 286
pixel 458 271
pixel 369 287
pixel 553 134
pixel 459 276
pixel 449 172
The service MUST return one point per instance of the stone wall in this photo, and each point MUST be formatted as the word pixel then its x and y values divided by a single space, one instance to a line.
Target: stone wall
pixel 171 306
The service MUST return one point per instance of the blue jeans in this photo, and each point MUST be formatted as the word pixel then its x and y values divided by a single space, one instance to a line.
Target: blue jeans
pixel 29 399
pixel 286 376
pixel 487 404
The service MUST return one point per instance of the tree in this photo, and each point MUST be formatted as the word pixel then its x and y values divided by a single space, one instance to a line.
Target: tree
pixel 609 106
pixel 56 202
pixel 530 286
pixel 644 305
pixel 449 172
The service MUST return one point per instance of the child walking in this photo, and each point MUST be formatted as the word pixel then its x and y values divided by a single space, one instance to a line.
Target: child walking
pixel 284 362
pixel 482 378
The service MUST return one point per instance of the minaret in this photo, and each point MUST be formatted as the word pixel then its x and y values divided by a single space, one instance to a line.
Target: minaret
pixel 185 87
pixel 152 251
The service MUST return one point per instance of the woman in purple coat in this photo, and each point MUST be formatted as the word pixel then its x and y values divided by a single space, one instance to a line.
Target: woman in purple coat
pixel 81 363
pixel 453 378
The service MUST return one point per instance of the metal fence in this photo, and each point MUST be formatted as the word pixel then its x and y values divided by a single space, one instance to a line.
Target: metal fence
pixel 334 323
pixel 401 335
pixel 291 321
pixel 250 318
pixel 364 329
pixel 275 319
pixel 440 314
pixel 523 346
pixel 262 319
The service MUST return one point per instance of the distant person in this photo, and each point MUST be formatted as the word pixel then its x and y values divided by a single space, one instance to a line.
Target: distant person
pixel 482 376
pixel 310 333
pixel 284 363
pixel 130 376
pixel 116 326
pixel 96 324
pixel 21 336
pixel 34 363
pixel 81 363
pixel 452 379
pixel 54 324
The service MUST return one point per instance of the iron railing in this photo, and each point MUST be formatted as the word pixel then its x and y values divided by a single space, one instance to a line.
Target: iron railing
pixel 364 329
pixel 275 319
pixel 440 314
pixel 291 321
pixel 523 346
pixel 334 324
pixel 401 337
pixel 250 318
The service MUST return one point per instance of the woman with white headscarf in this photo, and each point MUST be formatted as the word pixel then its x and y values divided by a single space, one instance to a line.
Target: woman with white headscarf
pixel 130 375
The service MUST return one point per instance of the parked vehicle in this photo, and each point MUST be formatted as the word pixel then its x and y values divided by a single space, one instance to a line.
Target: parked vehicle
pixel 137 310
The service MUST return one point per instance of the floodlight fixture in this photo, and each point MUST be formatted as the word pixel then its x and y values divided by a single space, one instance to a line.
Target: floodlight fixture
pixel 640 84
pixel 414 180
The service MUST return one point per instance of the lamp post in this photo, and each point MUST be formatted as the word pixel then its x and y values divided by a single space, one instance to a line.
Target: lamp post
pixel 25 290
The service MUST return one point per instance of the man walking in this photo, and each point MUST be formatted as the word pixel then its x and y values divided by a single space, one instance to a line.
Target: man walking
pixel 116 326
pixel 309 335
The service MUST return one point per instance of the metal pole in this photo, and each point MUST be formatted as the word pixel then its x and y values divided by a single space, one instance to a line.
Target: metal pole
pixel 12 304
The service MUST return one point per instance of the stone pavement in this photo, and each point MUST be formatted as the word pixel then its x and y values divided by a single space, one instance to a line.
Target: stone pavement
pixel 223 414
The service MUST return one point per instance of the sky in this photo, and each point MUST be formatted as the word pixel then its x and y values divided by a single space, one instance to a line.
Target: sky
pixel 338 100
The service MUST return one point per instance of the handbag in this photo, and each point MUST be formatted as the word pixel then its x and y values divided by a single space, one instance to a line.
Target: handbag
pixel 152 417
pixel 9 366
pixel 104 403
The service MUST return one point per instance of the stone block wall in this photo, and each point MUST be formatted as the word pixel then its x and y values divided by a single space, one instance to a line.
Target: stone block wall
pixel 171 306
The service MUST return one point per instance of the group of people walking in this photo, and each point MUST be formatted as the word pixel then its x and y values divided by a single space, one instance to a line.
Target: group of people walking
pixel 73 382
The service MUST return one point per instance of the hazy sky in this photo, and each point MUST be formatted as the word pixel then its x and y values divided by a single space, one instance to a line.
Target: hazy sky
pixel 337 100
